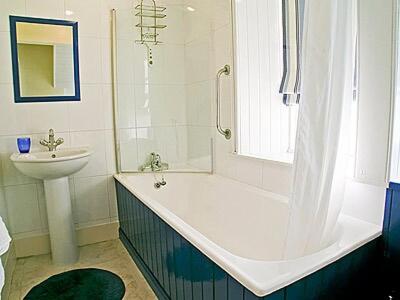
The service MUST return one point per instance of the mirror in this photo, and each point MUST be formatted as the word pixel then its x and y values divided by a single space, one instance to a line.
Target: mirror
pixel 45 59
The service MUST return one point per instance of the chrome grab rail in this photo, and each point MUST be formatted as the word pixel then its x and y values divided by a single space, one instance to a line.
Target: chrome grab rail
pixel 225 132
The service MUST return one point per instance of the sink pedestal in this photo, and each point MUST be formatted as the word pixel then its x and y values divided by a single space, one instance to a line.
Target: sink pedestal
pixel 54 167
pixel 64 248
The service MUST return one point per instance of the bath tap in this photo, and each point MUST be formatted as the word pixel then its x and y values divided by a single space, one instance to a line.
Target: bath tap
pixel 51 143
pixel 158 184
pixel 154 164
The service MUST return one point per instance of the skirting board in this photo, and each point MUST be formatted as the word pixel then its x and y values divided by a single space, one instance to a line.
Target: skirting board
pixel 40 244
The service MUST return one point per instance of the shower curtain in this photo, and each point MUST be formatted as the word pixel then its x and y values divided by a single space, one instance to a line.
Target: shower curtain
pixel 322 143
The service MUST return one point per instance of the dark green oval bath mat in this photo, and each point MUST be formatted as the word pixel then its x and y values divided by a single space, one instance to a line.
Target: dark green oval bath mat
pixel 81 284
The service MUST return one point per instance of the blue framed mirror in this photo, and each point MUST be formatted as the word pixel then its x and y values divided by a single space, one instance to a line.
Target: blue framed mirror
pixel 45 59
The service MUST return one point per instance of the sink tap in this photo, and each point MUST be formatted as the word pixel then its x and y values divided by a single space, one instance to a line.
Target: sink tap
pixel 154 164
pixel 52 144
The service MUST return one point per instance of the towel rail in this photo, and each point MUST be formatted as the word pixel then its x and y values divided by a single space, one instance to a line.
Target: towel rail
pixel 225 132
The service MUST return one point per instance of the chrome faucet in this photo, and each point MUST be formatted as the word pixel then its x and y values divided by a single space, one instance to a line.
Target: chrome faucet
pixel 51 143
pixel 154 164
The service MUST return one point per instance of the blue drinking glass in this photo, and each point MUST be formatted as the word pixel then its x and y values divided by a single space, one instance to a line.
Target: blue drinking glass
pixel 24 144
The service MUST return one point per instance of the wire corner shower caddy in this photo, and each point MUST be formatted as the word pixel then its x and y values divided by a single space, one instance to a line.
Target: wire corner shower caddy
pixel 149 14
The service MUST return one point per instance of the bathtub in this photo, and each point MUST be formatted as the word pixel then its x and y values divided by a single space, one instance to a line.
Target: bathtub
pixel 238 227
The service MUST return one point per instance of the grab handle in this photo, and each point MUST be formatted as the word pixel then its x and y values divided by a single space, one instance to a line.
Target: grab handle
pixel 225 132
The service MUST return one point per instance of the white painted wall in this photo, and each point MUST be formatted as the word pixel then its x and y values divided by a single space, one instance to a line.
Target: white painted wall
pixel 376 25
pixel 85 123
pixel 395 154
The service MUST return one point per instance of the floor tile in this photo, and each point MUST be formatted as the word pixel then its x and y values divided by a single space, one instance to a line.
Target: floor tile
pixel 110 255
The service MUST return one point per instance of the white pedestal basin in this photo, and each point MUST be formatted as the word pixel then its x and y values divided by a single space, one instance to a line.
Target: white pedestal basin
pixel 54 167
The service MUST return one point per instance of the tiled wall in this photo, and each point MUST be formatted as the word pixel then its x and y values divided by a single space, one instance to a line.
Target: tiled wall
pixel 166 107
pixel 206 43
pixel 85 123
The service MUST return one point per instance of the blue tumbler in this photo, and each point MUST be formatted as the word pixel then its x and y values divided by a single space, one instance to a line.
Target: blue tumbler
pixel 24 144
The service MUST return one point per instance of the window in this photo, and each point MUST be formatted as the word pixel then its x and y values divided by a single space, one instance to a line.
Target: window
pixel 266 127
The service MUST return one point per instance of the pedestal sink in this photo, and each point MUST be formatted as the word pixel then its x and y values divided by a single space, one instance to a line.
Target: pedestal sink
pixel 54 167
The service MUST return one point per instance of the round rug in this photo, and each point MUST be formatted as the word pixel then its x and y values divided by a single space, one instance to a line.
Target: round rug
pixel 79 284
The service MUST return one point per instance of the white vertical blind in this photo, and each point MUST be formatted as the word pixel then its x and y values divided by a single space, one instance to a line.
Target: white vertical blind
pixel 262 119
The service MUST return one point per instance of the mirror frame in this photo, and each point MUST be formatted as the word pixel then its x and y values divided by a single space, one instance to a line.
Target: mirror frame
pixel 15 65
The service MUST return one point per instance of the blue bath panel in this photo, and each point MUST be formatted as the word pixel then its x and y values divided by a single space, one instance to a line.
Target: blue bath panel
pixel 175 269
pixel 391 237
pixel 392 224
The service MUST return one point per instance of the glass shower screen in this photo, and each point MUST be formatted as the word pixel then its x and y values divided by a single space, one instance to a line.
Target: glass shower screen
pixel 163 89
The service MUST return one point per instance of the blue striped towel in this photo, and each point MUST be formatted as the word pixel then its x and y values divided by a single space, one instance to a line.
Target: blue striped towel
pixel 293 16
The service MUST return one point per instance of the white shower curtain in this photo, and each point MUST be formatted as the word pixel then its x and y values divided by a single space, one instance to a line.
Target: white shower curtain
pixel 321 144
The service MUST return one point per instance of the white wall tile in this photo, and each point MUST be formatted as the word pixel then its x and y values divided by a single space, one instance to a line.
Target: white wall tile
pixel 22 201
pixel 125 22
pixel 277 178
pixel 126 106
pixel 56 116
pixel 200 97
pixel 5 57
pixel 171 2
pixel 129 149
pixel 14 118
pixel 160 105
pixel 88 14
pixel 126 61
pixel 45 8
pixel 42 206
pixel 86 120
pixel 106 60
pixel 91 200
pixel 174 33
pixel 169 142
pixel 11 176
pixel 221 14
pixel 108 106
pixel 95 140
pixel 174 64
pixel 197 23
pixel 199 60
pixel 223 46
pixel 3 208
pixel 90 62
pixel 13 7
pixel 145 74
pixel 365 202
pixel 110 152
pixel 147 143
pixel 168 64
pixel 112 197
pixel 250 171
pixel 35 139
pixel 199 141
pixel 87 114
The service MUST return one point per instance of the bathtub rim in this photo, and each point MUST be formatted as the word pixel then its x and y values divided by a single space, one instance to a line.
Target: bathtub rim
pixel 251 273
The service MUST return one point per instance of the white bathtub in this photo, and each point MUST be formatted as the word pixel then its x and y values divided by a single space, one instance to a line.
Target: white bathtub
pixel 240 227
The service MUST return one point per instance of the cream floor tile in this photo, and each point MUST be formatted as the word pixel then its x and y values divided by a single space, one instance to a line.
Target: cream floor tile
pixel 110 255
